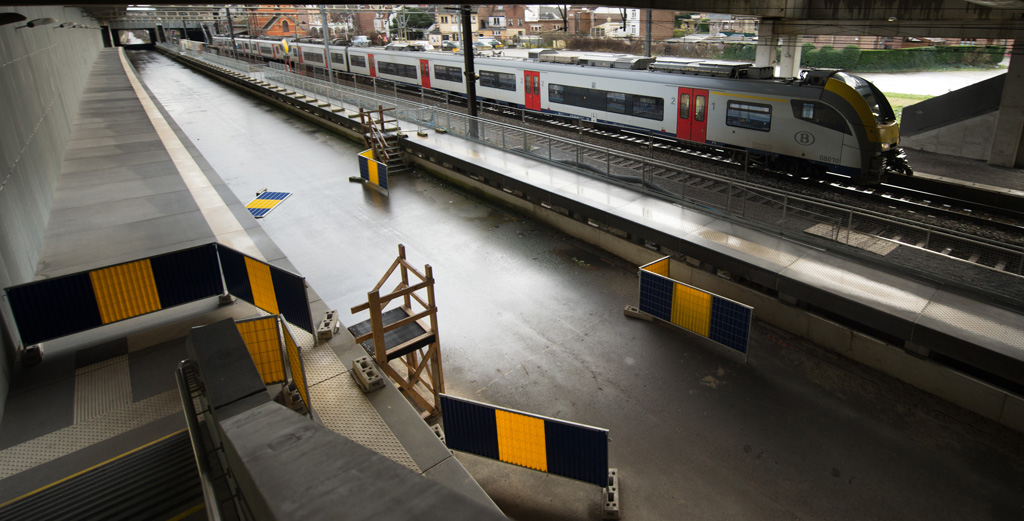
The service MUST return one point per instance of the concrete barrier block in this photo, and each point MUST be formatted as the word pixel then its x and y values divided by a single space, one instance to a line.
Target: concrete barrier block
pixel 634 312
pixel 1013 412
pixel 328 326
pixel 828 334
pixel 611 495
pixel 366 375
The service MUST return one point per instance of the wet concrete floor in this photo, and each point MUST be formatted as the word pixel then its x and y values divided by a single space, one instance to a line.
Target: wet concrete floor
pixel 532 319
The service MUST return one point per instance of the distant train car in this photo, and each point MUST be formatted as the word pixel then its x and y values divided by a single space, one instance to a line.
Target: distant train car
pixel 825 121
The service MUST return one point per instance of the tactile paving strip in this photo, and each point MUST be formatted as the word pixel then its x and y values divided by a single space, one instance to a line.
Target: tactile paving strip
pixel 79 436
pixel 102 387
pixel 344 409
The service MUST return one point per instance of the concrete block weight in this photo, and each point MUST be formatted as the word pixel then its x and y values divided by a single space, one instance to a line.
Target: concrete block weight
pixel 366 374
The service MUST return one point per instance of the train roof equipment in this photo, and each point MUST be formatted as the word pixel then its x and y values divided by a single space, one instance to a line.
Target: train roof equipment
pixel 714 68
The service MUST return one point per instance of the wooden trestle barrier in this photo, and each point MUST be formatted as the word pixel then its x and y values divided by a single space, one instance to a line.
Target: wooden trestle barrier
pixel 424 379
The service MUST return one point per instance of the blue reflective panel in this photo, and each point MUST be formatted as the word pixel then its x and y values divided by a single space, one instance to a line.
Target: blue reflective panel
pixel 292 301
pixel 577 452
pixel 730 324
pixel 656 295
pixel 469 427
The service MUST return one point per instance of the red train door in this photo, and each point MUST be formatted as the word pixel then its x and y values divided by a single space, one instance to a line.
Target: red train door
pixel 531 80
pixel 692 124
pixel 425 73
pixel 373 66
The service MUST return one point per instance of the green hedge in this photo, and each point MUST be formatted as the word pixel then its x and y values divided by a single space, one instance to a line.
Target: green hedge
pixel 852 58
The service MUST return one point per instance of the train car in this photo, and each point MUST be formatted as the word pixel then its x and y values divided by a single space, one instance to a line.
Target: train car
pixel 825 121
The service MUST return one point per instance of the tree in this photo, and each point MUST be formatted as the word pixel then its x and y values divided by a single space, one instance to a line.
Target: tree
pixel 411 23
pixel 563 11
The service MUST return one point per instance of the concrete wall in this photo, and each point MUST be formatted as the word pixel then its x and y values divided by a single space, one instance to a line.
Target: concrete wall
pixel 43 70
pixel 971 138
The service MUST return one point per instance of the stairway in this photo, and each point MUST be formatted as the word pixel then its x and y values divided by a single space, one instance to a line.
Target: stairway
pixel 382 134
pixel 157 482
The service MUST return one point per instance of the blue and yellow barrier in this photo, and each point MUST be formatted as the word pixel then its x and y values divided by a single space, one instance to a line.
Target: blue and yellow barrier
pixel 373 171
pixel 263 341
pixel 554 446
pixel 265 202
pixel 717 318
pixel 295 367
pixel 267 287
pixel 61 306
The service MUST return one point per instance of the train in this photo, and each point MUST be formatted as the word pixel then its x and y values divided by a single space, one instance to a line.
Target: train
pixel 825 121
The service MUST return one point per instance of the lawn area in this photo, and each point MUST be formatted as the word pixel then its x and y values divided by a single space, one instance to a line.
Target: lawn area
pixel 898 101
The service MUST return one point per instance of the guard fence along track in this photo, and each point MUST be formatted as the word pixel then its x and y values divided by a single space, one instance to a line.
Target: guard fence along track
pixel 971 257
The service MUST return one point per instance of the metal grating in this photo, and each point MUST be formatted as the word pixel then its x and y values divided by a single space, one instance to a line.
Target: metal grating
pixel 59 443
pixel 102 387
pixel 863 241
pixel 344 409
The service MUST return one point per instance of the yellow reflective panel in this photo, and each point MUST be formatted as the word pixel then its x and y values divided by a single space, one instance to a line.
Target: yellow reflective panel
pixel 264 346
pixel 295 364
pixel 374 176
pixel 521 440
pixel 691 309
pixel 262 285
pixel 660 267
pixel 125 291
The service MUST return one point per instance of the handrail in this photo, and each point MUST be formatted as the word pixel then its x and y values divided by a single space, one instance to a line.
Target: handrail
pixel 209 494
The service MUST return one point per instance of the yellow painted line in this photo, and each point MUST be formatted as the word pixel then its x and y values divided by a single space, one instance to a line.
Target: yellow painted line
pixel 748 96
pixel 96 466
pixel 198 508
pixel 225 226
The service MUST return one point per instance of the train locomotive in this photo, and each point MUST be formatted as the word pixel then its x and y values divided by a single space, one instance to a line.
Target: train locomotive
pixel 824 121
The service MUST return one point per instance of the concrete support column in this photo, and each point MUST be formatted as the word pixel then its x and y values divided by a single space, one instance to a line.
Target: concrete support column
pixel 1008 139
pixel 789 65
pixel 766 44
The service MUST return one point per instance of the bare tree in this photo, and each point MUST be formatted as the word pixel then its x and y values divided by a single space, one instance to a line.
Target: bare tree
pixel 563 11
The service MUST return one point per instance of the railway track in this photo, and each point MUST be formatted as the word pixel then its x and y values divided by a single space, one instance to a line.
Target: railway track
pixel 981 230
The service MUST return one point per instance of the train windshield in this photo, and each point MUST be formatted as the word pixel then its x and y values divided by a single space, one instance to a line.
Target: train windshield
pixel 875 99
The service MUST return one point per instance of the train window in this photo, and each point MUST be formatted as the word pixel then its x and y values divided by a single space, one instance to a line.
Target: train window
pixel 444 72
pixel 699 108
pixel 819 114
pixel 684 106
pixel 648 107
pixel 536 84
pixel 397 69
pixel 265 49
pixel 749 115
pixel 357 61
pixel 337 57
pixel 556 93
pixel 498 80
pixel 876 101
pixel 313 57
pixel 617 102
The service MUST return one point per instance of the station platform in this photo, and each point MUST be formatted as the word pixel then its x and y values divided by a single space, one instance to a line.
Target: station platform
pixel 131 186
pixel 971 172
pixel 532 319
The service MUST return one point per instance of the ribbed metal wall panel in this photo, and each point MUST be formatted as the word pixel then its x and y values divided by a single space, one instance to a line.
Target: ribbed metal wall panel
pixel 292 299
pixel 187 275
pixel 53 308
pixel 469 427
pixel 730 324
pixel 577 452
pixel 263 341
pixel 125 290
pixel 295 367
pixel 236 276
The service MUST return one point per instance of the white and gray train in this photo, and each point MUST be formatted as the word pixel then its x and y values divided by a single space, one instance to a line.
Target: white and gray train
pixel 826 120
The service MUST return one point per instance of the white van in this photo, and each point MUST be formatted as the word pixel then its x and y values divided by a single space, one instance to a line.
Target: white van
pixel 360 41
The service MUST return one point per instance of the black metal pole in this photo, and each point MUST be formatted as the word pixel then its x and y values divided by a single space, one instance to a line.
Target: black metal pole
pixel 231 31
pixel 467 49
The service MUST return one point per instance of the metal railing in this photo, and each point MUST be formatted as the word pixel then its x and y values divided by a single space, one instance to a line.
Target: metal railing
pixel 814 221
